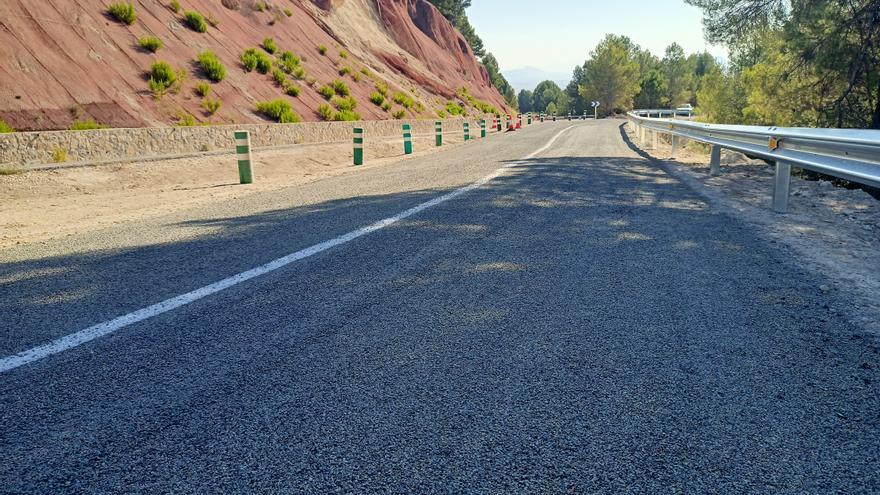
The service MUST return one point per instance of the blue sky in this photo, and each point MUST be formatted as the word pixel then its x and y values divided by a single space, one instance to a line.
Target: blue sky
pixel 556 35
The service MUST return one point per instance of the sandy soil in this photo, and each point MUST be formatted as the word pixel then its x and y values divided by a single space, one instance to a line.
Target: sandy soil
pixel 831 230
pixel 47 204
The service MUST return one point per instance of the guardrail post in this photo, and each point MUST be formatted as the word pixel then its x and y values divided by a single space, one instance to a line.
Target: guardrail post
pixel 407 139
pixel 358 146
pixel 467 131
pixel 438 131
pixel 715 161
pixel 483 128
pixel 781 186
pixel 243 153
pixel 674 146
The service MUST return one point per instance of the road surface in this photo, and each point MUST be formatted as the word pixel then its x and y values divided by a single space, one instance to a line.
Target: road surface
pixel 579 323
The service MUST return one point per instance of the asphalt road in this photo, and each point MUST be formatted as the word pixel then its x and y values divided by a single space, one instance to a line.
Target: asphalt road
pixel 582 323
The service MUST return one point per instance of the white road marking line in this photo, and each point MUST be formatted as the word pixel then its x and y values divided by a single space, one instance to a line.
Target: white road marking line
pixel 101 329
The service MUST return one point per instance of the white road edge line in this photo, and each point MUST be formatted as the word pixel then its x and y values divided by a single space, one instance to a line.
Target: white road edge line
pixel 101 329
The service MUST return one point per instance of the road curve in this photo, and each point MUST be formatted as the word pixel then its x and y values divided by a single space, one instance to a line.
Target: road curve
pixel 580 323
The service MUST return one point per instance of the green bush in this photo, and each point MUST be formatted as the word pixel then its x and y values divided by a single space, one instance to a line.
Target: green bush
pixel 454 108
pixel 377 98
pixel 269 45
pixel 4 127
pixel 186 120
pixel 344 71
pixel 213 21
pixel 344 104
pixel 175 6
pixel 162 77
pixel 398 114
pixel 150 43
pixel 289 62
pixel 382 88
pixel 292 89
pixel 212 66
pixel 85 125
pixel 122 12
pixel 340 88
pixel 298 73
pixel 59 155
pixel 343 54
pixel 278 110
pixel 356 77
pixel 260 6
pixel 402 99
pixel 195 21
pixel 386 106
pixel 324 111
pixel 346 116
pixel 288 12
pixel 441 114
pixel 203 89
pixel 279 76
pixel 365 71
pixel 211 105
pixel 255 59
pixel 322 49
pixel 326 91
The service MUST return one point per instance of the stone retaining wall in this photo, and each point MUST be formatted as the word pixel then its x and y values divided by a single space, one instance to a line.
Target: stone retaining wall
pixel 33 148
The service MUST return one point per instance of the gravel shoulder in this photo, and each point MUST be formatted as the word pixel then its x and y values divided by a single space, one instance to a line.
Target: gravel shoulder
pixel 830 230
pixel 41 205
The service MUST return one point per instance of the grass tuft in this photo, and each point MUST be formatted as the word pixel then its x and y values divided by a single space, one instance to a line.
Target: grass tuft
pixel 85 125
pixel 150 43
pixel 279 111
pixel 255 59
pixel 195 21
pixel 270 46
pixel 211 105
pixel 325 111
pixel 122 12
pixel 212 66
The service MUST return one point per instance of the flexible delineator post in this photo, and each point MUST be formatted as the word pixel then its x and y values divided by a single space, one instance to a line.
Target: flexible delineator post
pixel 407 139
pixel 243 152
pixel 438 129
pixel 358 146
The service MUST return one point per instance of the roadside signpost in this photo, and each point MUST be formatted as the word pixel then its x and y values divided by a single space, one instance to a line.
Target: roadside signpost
pixel 595 105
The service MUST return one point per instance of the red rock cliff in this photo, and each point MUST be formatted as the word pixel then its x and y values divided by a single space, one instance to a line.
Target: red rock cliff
pixel 62 60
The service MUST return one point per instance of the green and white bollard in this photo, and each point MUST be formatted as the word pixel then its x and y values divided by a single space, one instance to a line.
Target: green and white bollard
pixel 483 128
pixel 407 139
pixel 498 117
pixel 358 146
pixel 243 152
pixel 529 119
pixel 467 131
pixel 438 130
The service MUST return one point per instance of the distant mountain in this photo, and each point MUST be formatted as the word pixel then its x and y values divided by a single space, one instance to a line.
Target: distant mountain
pixel 529 77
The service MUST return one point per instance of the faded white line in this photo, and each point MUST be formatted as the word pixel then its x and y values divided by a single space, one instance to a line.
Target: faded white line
pixel 101 329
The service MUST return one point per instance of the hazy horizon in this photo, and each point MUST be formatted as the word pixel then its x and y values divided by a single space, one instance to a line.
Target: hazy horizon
pixel 556 44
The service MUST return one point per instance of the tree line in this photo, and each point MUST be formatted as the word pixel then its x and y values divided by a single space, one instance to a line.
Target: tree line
pixel 621 75
pixel 811 63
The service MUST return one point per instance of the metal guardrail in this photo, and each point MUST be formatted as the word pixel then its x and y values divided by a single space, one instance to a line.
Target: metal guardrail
pixel 851 154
